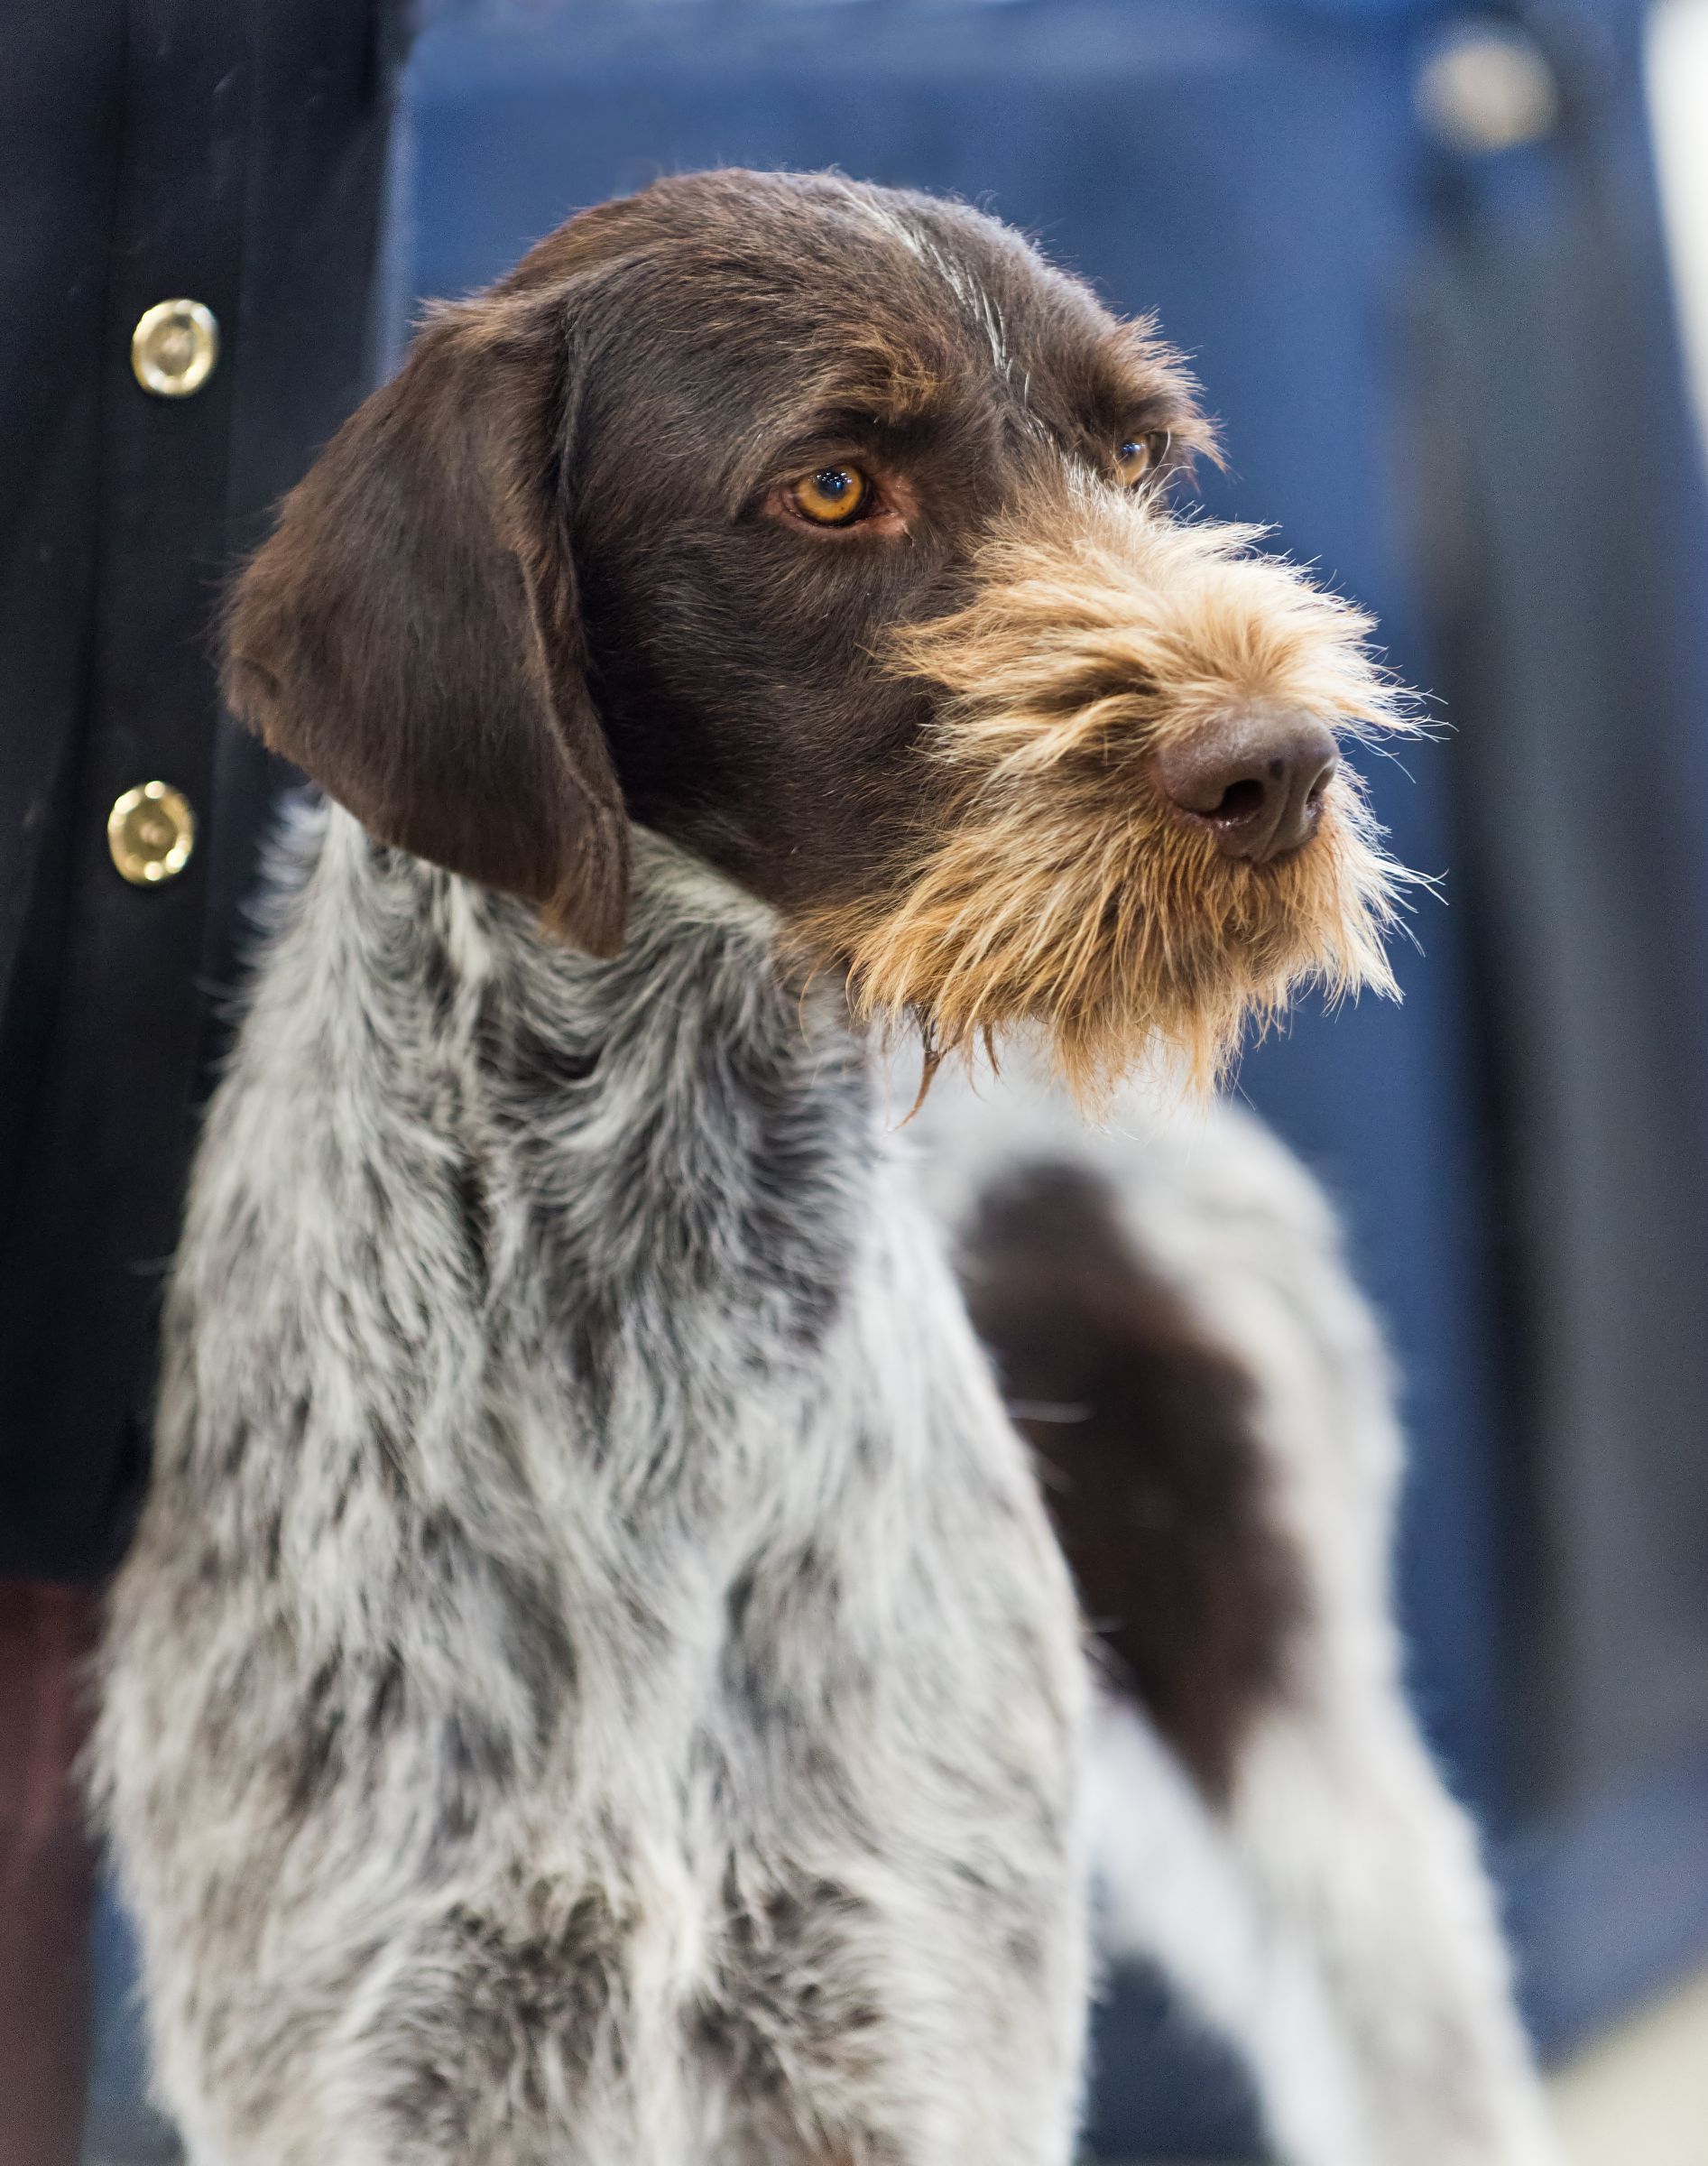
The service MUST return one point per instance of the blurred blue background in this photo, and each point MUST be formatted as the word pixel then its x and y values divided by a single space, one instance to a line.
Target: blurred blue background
pixel 1416 257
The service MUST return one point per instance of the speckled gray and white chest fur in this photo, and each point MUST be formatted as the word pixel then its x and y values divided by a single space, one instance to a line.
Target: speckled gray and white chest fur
pixel 594 1682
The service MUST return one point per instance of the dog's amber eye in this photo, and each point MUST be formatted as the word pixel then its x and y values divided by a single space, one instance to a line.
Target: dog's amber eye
pixel 1135 458
pixel 832 497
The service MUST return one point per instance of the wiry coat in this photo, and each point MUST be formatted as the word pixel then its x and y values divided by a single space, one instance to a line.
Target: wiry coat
pixel 593 1681
pixel 594 1685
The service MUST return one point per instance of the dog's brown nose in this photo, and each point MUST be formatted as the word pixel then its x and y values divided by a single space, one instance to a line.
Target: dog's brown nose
pixel 1256 777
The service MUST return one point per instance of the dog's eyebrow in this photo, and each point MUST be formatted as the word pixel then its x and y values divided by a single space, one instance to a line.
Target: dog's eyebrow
pixel 1136 381
pixel 895 382
pixel 852 404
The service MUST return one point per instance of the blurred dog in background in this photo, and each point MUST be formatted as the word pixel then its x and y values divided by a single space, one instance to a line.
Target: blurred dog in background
pixel 1174 1324
pixel 595 1680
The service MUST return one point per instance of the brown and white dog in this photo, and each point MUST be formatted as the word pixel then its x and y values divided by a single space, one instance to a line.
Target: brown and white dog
pixel 1179 1337
pixel 594 1682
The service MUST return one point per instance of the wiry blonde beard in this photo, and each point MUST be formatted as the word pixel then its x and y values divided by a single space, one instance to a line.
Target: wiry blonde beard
pixel 1055 890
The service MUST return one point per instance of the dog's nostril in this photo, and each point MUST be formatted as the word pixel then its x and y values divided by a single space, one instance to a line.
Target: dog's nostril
pixel 1239 800
pixel 1255 777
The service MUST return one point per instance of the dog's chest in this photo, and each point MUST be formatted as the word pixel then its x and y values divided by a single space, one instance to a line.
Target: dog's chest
pixel 570 1386
pixel 736 1475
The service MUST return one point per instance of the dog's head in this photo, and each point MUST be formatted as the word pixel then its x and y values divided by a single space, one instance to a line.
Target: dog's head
pixel 823 528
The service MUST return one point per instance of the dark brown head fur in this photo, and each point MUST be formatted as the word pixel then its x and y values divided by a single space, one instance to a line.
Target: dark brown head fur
pixel 554 578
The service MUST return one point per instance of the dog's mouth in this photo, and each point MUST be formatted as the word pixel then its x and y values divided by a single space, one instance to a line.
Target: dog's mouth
pixel 1125 940
pixel 1146 842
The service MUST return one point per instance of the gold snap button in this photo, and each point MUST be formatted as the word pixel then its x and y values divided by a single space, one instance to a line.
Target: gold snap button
pixel 173 347
pixel 151 832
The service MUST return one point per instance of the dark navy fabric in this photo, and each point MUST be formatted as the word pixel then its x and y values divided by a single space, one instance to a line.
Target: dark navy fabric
pixel 234 153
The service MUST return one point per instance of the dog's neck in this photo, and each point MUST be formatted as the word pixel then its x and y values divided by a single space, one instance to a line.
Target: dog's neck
pixel 688 1110
pixel 396 921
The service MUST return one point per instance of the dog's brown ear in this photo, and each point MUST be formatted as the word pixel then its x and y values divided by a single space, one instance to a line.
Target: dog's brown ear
pixel 411 635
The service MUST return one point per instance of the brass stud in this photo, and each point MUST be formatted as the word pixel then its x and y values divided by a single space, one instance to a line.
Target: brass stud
pixel 174 348
pixel 151 832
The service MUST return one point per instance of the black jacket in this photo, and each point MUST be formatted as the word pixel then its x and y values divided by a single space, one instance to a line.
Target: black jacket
pixel 232 152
